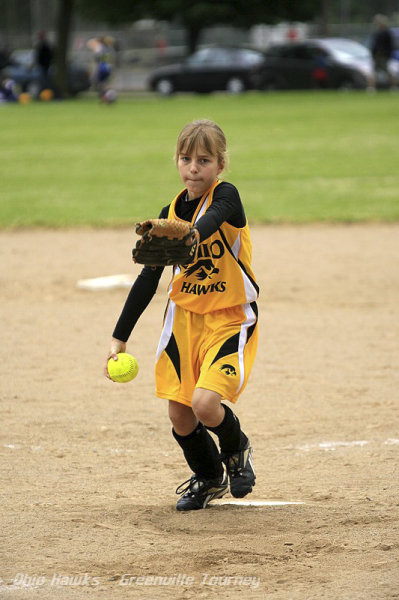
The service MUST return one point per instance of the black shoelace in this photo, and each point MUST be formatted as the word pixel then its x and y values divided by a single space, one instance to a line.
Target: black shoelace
pixel 189 483
pixel 232 462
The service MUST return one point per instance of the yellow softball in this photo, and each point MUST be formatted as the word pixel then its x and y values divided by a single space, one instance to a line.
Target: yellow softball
pixel 124 369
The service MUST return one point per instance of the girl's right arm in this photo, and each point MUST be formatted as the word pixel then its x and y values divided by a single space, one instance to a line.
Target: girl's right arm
pixel 141 294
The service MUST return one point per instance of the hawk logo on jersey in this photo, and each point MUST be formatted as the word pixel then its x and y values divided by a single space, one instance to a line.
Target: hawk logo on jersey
pixel 203 269
pixel 228 370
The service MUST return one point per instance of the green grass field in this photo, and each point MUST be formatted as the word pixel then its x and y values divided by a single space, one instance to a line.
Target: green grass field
pixel 295 157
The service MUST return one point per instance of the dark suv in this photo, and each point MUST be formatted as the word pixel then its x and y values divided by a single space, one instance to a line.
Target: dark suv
pixel 333 63
pixel 209 70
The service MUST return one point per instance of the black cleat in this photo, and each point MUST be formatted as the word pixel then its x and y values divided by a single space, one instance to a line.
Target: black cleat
pixel 240 471
pixel 199 491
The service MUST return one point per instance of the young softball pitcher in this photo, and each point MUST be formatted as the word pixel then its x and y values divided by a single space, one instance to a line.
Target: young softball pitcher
pixel 209 337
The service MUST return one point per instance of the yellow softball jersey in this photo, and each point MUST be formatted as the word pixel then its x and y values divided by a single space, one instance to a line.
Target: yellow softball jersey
pixel 222 275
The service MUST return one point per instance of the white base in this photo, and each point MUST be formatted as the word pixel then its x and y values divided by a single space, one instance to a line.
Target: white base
pixel 258 502
pixel 106 283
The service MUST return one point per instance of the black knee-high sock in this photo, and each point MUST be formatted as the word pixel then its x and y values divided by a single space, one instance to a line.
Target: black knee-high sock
pixel 231 438
pixel 200 452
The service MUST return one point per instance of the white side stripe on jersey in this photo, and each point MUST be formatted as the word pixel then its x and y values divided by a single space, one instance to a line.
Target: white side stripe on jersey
pixel 251 320
pixel 236 247
pixel 251 293
pixel 167 329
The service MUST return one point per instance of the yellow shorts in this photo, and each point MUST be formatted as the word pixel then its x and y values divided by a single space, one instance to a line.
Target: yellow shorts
pixel 215 351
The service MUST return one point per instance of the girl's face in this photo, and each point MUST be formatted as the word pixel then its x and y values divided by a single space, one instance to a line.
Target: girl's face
pixel 198 171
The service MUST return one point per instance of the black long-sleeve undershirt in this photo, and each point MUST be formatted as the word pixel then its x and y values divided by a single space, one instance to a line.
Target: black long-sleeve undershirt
pixel 226 206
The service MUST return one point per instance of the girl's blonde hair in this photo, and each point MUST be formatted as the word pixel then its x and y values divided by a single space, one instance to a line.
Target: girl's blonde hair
pixel 204 134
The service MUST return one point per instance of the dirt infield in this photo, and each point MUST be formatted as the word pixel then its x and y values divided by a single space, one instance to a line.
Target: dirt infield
pixel 89 467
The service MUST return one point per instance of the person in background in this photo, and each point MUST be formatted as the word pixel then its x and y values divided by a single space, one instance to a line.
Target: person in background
pixel 43 57
pixel 381 49
pixel 103 55
pixel 7 93
pixel 5 55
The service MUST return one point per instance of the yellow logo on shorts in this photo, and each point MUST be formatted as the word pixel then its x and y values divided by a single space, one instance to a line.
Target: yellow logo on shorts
pixel 229 370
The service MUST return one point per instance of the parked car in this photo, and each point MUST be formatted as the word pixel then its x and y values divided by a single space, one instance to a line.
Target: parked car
pixel 334 63
pixel 209 70
pixel 22 69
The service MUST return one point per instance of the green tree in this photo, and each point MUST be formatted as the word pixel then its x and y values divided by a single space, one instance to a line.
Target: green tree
pixel 195 15
pixel 115 12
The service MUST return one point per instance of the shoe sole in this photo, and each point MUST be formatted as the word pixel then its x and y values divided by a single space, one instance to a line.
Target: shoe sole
pixel 215 496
